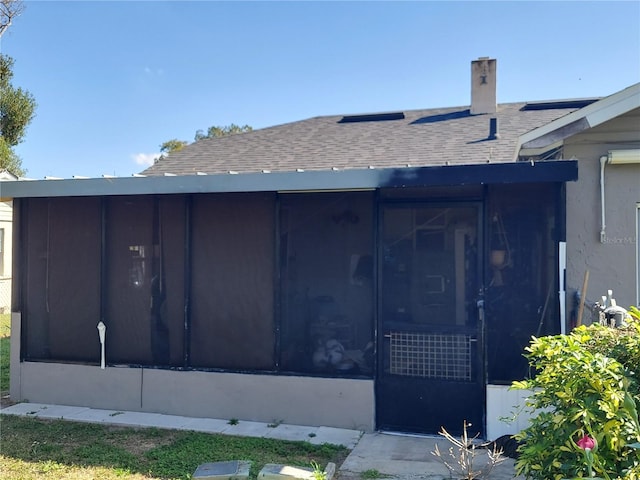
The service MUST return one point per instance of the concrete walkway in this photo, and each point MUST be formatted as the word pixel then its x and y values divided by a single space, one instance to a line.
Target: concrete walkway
pixel 409 457
pixel 398 457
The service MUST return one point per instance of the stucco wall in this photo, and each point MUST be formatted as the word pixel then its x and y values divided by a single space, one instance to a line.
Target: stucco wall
pixel 330 402
pixel 344 403
pixel 612 264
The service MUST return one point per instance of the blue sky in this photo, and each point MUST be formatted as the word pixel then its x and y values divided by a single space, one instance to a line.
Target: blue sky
pixel 113 80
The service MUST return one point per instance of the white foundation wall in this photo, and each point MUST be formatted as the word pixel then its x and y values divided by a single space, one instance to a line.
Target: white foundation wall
pixel 502 404
pixel 342 403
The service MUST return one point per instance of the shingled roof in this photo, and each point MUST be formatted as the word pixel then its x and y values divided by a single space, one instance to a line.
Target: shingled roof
pixel 431 137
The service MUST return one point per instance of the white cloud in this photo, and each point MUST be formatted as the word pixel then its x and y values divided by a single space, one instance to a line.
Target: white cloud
pixel 154 72
pixel 145 159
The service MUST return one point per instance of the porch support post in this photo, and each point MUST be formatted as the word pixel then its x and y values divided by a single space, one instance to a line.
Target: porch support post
pixel 187 280
pixel 277 293
pixel 561 238
pixel 103 260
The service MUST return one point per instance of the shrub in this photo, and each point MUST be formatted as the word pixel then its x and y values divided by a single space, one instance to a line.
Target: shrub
pixel 621 344
pixel 586 384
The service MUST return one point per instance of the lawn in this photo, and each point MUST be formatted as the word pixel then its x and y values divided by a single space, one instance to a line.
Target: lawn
pixel 56 449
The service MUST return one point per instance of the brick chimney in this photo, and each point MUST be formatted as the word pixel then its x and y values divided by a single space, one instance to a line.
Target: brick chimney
pixel 483 86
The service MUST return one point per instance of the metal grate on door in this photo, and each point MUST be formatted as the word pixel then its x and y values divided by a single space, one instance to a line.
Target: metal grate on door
pixel 440 356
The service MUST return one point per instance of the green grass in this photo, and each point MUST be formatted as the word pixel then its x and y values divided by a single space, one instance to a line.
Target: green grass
pixel 5 325
pixel 372 474
pixel 41 449
pixel 5 331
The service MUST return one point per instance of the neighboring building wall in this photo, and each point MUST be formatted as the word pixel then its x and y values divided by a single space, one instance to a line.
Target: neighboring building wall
pixel 612 265
pixel 5 256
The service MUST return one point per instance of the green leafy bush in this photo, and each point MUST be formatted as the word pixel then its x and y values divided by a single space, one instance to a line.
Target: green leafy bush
pixel 586 384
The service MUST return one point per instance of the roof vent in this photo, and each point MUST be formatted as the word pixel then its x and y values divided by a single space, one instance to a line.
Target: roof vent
pixel 546 105
pixel 493 129
pixel 483 86
pixel 372 117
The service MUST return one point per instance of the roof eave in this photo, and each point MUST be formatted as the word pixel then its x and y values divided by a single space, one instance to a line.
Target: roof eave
pixel 544 138
pixel 322 180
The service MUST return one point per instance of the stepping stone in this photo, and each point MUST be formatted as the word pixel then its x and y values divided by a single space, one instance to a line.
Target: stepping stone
pixel 232 470
pixel 273 471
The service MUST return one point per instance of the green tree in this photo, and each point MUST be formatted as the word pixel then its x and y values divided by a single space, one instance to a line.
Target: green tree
pixel 175 145
pixel 17 106
pixel 9 160
pixel 217 131
pixel 170 146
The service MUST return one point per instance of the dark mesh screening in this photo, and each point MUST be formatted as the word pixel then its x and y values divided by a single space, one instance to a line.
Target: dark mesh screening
pixel 521 293
pixel 129 270
pixel 63 279
pixel 144 310
pixel 327 283
pixel 35 222
pixel 326 270
pixel 171 264
pixel 232 323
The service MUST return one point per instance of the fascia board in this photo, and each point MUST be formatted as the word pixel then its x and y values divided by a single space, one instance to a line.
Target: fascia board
pixel 512 172
pixel 614 110
pixel 599 112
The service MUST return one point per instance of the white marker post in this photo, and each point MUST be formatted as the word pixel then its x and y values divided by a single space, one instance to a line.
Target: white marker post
pixel 102 331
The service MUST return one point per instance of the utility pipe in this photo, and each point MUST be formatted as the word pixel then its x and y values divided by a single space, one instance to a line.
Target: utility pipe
pixel 614 157
pixel 102 331
pixel 603 235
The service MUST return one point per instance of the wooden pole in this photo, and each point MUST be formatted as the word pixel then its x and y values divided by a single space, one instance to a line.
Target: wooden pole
pixel 583 294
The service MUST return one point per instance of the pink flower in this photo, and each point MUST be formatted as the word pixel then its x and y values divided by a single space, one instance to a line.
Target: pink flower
pixel 586 443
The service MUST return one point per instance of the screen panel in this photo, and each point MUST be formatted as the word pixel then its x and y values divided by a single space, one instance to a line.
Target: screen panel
pixel 521 284
pixel 129 254
pixel 326 255
pixel 232 319
pixel 62 278
pixel 74 278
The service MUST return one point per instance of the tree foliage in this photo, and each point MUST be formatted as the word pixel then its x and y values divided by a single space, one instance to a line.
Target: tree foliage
pixel 215 131
pixel 17 106
pixel 9 160
pixel 170 146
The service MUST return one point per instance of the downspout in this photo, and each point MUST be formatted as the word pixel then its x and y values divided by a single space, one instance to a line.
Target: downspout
pixel 603 161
